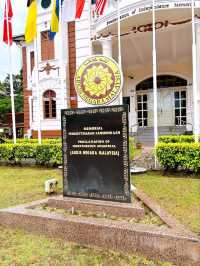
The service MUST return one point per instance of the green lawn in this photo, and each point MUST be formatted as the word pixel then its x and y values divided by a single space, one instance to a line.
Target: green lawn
pixel 18 248
pixel 178 194
pixel 20 185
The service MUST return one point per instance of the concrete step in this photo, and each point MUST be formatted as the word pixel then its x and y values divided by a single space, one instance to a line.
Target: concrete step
pixel 146 135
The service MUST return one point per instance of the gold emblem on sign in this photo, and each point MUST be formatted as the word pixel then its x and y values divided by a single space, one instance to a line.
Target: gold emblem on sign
pixel 98 80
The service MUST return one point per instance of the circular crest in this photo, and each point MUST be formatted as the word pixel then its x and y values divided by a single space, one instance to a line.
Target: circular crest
pixel 98 80
pixel 45 3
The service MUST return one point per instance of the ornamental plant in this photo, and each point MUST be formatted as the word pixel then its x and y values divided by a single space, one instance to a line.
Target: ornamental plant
pixel 177 138
pixel 45 154
pixel 185 156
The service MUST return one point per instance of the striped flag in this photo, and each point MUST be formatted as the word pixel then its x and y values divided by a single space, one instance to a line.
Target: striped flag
pixel 100 6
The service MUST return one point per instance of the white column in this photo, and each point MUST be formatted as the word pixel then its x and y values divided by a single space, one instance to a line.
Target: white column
pixel 107 46
pixel 30 99
pixel 155 90
pixel 198 71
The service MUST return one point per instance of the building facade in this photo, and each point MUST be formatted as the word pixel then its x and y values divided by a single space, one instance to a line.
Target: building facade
pixel 53 80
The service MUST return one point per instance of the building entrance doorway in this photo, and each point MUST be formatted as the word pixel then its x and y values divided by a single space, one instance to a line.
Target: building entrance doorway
pixel 172 102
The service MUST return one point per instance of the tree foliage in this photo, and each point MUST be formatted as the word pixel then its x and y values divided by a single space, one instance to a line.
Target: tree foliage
pixel 5 101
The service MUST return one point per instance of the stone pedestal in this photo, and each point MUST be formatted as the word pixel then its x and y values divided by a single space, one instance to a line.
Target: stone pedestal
pixel 97 206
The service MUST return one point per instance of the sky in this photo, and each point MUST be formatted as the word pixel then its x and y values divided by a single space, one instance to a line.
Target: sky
pixel 19 17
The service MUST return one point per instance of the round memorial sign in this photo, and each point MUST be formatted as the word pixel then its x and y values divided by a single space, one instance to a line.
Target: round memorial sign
pixel 98 80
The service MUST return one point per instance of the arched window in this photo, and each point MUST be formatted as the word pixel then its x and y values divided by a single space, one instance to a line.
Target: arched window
pixel 163 81
pixel 49 102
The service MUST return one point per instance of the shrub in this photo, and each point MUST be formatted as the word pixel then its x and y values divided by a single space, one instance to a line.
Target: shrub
pixel 45 154
pixel 6 152
pixel 176 139
pixel 49 154
pixel 35 141
pixel 179 155
pixel 24 151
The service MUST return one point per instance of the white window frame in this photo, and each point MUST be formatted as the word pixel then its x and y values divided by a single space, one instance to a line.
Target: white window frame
pixel 142 94
pixel 180 121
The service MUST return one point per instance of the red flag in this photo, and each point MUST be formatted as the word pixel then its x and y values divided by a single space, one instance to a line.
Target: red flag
pixel 7 24
pixel 79 8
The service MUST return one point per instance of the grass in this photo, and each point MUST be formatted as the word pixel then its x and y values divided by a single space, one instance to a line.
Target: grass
pixel 18 248
pixel 20 185
pixel 178 194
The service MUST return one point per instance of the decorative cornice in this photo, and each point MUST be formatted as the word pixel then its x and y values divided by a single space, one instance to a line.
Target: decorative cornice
pixel 140 7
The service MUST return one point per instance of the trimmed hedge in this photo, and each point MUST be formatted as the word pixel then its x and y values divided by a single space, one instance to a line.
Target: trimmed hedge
pixel 44 141
pixel 179 155
pixel 177 139
pixel 45 154
pixel 48 153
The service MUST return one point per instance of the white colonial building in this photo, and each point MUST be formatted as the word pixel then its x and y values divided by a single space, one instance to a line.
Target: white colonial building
pixel 52 80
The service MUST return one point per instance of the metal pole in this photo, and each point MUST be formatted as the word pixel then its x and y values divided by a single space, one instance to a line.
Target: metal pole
pixel 90 26
pixel 155 89
pixel 119 45
pixel 11 78
pixel 194 66
pixel 38 91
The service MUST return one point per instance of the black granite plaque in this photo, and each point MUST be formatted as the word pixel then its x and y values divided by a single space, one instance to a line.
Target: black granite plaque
pixel 96 153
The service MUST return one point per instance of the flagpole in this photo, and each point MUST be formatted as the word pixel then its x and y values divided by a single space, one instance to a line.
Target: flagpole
pixel 90 29
pixel 38 90
pixel 155 89
pixel 119 45
pixel 11 78
pixel 194 66
pixel 61 56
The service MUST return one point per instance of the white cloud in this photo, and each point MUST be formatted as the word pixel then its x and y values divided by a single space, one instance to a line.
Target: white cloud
pixel 19 16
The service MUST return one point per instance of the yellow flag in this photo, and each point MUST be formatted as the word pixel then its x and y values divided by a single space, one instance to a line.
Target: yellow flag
pixel 31 22
pixel 55 16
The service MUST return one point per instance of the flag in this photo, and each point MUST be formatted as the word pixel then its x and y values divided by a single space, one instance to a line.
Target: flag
pixel 79 8
pixel 7 24
pixel 31 21
pixel 100 6
pixel 69 10
pixel 72 9
pixel 55 19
